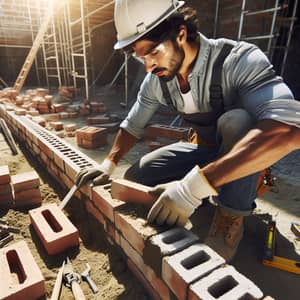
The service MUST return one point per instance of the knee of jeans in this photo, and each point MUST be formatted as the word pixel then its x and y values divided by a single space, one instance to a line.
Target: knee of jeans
pixel 233 125
pixel 131 174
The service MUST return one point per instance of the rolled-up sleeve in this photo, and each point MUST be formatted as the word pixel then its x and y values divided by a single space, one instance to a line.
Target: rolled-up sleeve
pixel 143 109
pixel 260 91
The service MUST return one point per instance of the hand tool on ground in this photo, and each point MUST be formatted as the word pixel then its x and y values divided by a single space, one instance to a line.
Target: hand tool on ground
pixel 8 137
pixel 295 228
pixel 58 283
pixel 72 280
pixel 270 260
pixel 9 228
pixel 86 277
pixel 6 239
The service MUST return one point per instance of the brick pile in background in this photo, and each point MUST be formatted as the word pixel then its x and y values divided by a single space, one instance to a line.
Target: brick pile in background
pixel 109 121
pixel 91 107
pixel 158 135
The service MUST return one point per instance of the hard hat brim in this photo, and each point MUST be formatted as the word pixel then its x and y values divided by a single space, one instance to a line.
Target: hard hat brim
pixel 126 42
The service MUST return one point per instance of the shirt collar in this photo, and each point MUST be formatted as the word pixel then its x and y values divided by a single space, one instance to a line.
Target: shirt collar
pixel 203 55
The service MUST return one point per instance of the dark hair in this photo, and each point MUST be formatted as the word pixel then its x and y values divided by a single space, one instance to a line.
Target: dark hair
pixel 169 29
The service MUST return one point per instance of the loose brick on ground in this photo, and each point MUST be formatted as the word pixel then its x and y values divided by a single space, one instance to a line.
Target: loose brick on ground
pixel 54 229
pixel 20 277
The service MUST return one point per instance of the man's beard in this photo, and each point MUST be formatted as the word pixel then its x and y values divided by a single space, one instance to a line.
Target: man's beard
pixel 175 64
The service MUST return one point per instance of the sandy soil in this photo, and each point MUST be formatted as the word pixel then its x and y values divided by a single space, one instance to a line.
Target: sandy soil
pixel 108 269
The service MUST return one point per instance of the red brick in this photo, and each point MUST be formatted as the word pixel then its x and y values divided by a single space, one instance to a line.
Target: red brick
pixel 93 210
pixel 111 127
pixel 28 197
pixel 134 230
pixel 148 273
pixel 25 181
pixel 165 131
pixel 91 144
pixel 57 125
pixel 4 175
pixel 45 147
pixel 20 277
pixel 98 120
pixel 70 127
pixel 141 278
pixel 20 111
pixel 42 92
pixel 104 202
pixel 6 196
pixel 54 229
pixel 129 191
pixel 5 189
pixel 90 133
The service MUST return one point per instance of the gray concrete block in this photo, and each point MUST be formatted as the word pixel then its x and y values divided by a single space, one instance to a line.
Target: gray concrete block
pixel 187 266
pixel 224 284
pixel 166 243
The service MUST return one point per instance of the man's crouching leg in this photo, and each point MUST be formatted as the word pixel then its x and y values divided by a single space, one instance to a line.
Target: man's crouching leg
pixel 236 199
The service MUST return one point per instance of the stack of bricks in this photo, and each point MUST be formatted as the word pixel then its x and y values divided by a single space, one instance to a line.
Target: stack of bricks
pixel 158 135
pixel 109 121
pixel 70 130
pixel 57 126
pixel 6 194
pixel 91 137
pixel 26 189
pixel 84 110
pixel 57 108
pixel 41 104
pixel 9 93
pixel 98 107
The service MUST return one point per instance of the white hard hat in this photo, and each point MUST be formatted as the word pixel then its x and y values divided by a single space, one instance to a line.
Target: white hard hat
pixel 135 18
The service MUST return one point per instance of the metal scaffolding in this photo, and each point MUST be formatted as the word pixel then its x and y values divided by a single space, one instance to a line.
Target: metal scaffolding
pixel 64 56
pixel 278 16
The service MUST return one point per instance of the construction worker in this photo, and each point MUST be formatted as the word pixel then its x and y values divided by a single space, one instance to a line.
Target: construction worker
pixel 244 117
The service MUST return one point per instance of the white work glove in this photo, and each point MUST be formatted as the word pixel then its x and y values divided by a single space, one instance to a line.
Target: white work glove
pixel 97 175
pixel 179 199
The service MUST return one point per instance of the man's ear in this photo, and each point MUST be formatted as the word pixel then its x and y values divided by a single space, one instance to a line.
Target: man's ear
pixel 182 35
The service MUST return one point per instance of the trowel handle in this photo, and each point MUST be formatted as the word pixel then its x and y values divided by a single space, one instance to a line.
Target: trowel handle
pixel 77 291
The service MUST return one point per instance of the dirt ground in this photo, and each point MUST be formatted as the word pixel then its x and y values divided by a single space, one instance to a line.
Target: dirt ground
pixel 109 270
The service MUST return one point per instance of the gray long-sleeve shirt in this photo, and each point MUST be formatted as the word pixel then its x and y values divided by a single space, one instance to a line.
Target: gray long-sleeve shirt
pixel 248 81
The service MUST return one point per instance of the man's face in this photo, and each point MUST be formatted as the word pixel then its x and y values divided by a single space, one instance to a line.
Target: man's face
pixel 163 59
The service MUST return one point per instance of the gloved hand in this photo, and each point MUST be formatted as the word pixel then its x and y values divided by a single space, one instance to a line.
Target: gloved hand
pixel 98 175
pixel 179 199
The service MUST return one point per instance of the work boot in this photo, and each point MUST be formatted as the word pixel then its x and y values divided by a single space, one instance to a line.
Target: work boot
pixel 225 233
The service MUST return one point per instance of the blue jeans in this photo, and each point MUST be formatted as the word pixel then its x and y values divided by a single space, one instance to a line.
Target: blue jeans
pixel 174 161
